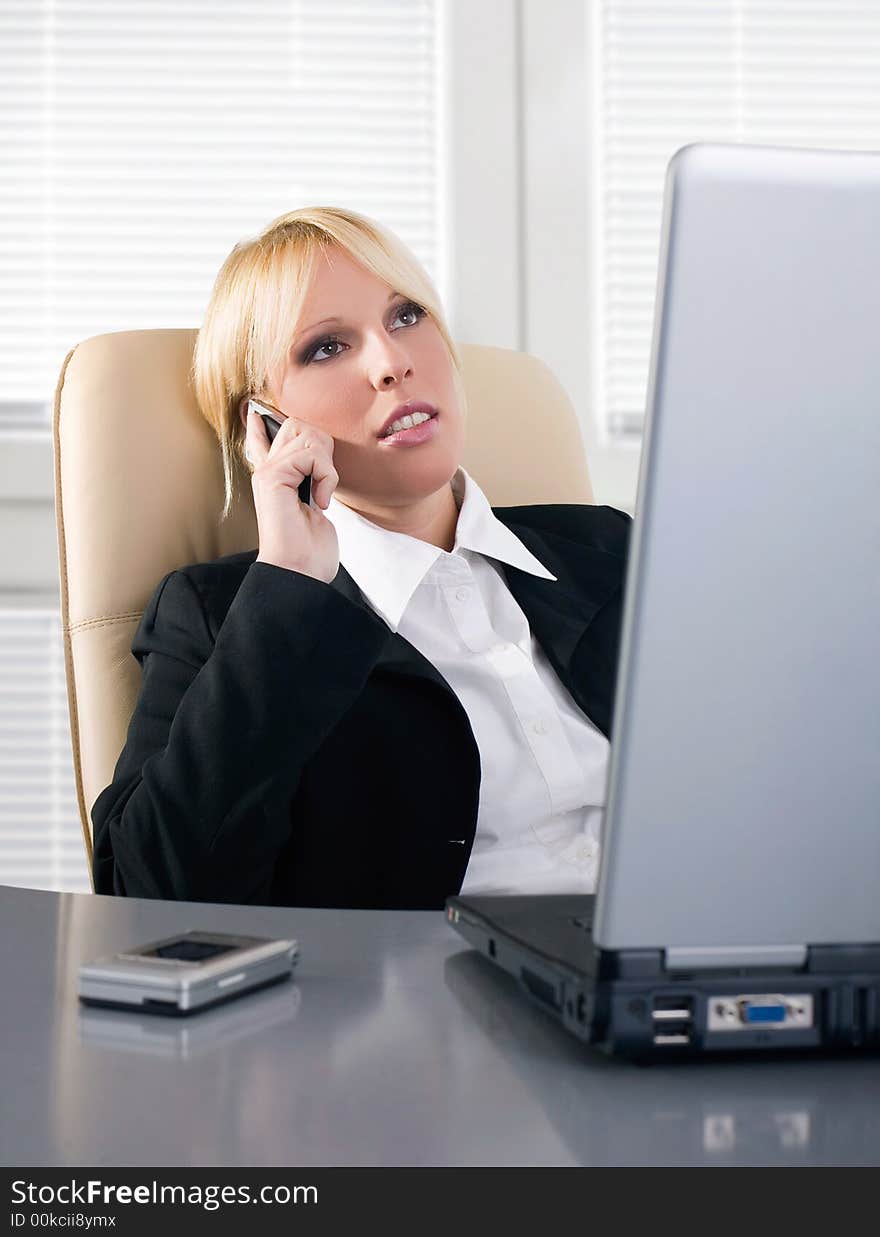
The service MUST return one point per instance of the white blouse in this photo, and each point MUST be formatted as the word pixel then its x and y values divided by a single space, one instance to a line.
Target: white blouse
pixel 544 763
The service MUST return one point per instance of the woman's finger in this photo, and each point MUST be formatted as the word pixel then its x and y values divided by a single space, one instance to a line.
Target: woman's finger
pixel 256 439
pixel 298 426
pixel 311 460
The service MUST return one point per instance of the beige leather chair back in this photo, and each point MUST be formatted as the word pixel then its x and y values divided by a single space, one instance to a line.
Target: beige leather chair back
pixel 139 490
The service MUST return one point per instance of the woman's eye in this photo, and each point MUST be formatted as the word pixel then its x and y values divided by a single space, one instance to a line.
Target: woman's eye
pixel 410 308
pixel 320 346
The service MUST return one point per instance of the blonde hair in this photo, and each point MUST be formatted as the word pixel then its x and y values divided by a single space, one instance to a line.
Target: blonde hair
pixel 255 305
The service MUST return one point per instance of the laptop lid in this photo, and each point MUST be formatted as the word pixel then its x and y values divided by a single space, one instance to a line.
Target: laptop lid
pixel 743 814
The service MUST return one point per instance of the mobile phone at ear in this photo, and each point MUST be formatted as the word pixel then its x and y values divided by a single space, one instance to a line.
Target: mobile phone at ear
pixel 273 425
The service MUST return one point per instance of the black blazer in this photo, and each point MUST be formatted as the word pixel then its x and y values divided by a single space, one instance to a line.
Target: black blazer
pixel 287 748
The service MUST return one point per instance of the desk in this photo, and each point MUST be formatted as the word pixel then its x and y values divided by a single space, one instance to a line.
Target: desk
pixel 395 1045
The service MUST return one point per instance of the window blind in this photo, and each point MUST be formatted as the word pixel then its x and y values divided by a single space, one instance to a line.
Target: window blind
pixel 41 843
pixel 772 72
pixel 139 141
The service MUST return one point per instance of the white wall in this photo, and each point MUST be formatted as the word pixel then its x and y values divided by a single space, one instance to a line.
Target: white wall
pixel 559 195
pixel 522 226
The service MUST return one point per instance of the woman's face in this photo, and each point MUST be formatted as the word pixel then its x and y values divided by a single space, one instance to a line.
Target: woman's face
pixel 348 376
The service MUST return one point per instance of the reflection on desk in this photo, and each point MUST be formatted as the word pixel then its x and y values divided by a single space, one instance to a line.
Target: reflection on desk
pixel 244 1018
pixel 395 1044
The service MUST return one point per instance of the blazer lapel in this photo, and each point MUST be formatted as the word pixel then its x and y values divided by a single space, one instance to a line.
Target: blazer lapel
pixel 560 613
pixel 398 655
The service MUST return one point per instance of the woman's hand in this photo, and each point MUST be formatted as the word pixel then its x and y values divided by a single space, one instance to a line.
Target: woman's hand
pixel 293 535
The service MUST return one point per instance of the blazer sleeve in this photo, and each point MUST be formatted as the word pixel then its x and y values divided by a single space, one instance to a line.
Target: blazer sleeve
pixel 222 726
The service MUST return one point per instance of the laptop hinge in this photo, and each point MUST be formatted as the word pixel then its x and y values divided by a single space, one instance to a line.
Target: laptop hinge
pixel 705 957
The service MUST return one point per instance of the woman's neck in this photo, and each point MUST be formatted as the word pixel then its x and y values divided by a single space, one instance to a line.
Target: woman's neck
pixel 433 519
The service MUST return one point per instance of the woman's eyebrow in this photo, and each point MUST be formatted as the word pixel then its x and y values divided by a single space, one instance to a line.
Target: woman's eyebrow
pixel 323 321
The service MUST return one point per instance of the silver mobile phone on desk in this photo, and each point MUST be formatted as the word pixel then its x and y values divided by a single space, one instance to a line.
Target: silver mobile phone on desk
pixel 187 972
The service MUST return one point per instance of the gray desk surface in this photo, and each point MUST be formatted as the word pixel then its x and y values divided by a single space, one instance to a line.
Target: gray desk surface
pixel 396 1045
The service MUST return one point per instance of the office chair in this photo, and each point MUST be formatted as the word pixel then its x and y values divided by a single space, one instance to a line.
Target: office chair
pixel 139 490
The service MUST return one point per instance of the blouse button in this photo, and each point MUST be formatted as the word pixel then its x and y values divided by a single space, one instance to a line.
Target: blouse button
pixel 540 726
pixel 462 594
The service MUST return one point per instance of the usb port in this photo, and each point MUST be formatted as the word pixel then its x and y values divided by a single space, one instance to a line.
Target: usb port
pixel 673 1018
pixel 673 1033
pixel 673 1009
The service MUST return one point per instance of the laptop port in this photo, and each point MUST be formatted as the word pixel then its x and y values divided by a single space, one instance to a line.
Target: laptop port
pixel 760 1011
pixel 673 1009
pixel 673 1018
pixel 540 988
pixel 867 1014
pixel 673 1033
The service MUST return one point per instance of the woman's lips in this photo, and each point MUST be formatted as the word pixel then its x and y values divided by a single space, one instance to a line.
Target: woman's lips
pixel 412 437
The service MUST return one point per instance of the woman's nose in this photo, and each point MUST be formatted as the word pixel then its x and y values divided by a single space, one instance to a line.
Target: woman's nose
pixel 393 377
pixel 390 364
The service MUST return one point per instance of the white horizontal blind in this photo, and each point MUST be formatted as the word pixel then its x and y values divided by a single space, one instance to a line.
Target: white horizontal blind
pixel 139 141
pixel 771 72
pixel 41 843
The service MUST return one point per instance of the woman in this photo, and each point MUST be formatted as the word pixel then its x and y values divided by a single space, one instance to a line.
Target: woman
pixel 403 693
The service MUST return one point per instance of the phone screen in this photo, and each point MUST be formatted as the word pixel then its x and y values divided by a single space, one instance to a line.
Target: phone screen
pixel 188 951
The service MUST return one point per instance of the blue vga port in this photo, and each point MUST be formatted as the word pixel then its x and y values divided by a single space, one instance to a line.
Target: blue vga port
pixel 761 1012
pixel 764 1011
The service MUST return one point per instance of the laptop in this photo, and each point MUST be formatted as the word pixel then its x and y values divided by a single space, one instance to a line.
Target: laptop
pixel 738 899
